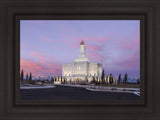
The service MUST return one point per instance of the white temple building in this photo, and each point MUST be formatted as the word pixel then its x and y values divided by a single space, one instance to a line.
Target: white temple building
pixel 82 70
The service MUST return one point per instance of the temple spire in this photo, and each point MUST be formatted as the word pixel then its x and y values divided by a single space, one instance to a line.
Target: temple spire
pixel 82 56
pixel 82 43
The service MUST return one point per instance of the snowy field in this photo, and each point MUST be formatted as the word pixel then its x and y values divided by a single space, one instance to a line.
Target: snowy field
pixel 135 91
pixel 73 93
pixel 37 87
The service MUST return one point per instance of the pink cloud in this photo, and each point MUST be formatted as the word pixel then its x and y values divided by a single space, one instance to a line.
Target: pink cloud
pixel 45 39
pixel 130 45
pixel 93 47
pixel 45 63
pixel 38 68
pixel 39 56
pixel 73 44
pixel 42 66
pixel 103 39
pixel 131 41
pixel 127 63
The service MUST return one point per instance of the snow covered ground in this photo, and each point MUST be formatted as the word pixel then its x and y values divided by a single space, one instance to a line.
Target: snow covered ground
pixel 37 87
pixel 135 91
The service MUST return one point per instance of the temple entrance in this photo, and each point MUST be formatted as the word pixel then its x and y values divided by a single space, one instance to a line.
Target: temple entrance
pixel 78 80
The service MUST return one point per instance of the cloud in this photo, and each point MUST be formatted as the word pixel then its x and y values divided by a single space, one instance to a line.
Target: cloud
pixel 39 56
pixel 132 41
pixel 130 62
pixel 93 47
pixel 130 45
pixel 103 39
pixel 45 39
pixel 40 68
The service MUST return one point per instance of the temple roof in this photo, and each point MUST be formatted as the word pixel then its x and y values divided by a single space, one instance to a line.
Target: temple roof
pixel 82 43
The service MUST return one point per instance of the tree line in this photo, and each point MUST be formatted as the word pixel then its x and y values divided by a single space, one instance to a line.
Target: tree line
pixel 120 80
pixel 28 77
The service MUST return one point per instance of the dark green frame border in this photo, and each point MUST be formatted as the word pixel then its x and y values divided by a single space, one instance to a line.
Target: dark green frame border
pixel 148 108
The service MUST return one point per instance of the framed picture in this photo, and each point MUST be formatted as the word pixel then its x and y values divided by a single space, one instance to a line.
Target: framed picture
pixel 49 64
pixel 85 60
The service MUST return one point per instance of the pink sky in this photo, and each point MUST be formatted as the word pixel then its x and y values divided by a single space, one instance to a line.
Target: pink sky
pixel 47 45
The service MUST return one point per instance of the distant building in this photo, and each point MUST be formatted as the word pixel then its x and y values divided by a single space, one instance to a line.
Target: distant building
pixel 81 70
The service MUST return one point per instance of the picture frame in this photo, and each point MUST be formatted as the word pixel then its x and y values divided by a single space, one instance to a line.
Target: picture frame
pixel 13 11
pixel 18 101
